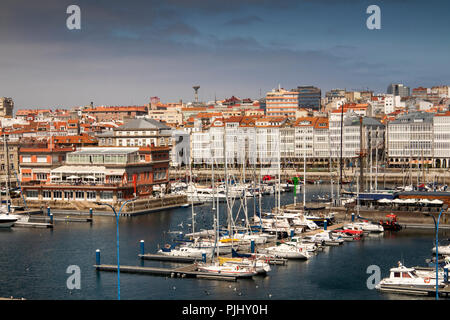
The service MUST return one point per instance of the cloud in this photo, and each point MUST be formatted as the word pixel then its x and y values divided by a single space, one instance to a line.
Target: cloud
pixel 244 21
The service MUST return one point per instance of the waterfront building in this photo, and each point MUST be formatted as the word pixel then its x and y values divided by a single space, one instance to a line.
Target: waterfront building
pixel 334 94
pixel 103 174
pixel 441 140
pixel 410 140
pixel 9 160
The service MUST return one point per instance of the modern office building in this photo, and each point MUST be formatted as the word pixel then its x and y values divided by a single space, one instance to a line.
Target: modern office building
pixel 309 97
pixel 398 90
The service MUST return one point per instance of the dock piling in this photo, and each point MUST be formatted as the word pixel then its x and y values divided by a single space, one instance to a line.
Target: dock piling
pixel 48 211
pixel 51 218
pixel 325 224
pixel 204 257
pixel 97 257
pixel 353 217
pixel 252 246
pixel 142 247
pixel 90 213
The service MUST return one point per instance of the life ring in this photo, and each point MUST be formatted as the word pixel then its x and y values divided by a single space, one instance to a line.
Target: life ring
pixel 426 280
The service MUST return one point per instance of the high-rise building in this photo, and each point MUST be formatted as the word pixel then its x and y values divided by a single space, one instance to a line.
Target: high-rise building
pixel 281 102
pixel 6 107
pixel 398 90
pixel 309 97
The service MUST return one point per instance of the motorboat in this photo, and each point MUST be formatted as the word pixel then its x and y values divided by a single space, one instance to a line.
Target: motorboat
pixel 365 226
pixel 329 239
pixel 185 251
pixel 442 250
pixel 408 279
pixel 7 220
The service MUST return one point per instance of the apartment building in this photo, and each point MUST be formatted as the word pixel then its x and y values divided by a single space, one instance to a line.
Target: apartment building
pixel 280 102
pixel 410 139
pixel 6 107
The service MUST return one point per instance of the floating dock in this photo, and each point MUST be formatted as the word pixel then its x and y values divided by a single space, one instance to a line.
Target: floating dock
pixel 189 271
pixel 60 219
pixel 161 257
pixel 19 224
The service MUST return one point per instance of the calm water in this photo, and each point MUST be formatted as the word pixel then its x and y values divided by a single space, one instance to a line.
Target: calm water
pixel 33 262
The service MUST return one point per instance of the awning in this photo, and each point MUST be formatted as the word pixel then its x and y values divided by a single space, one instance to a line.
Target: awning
pixel 73 177
pixel 437 201
pixel 90 177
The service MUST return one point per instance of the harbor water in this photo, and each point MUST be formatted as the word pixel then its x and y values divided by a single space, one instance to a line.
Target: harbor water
pixel 33 262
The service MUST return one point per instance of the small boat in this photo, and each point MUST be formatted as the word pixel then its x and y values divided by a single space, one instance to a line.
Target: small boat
pixel 406 280
pixel 365 226
pixel 7 220
pixel 287 251
pixel 260 266
pixel 229 269
pixel 391 223
pixel 442 250
pixel 184 251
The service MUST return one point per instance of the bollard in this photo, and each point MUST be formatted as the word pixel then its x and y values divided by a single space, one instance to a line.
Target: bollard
pixel 51 218
pixel 142 247
pixel 9 207
pixel 48 211
pixel 353 217
pixel 252 246
pixel 292 233
pixel 446 275
pixel 97 257
pixel 90 213
pixel 325 224
pixel 203 257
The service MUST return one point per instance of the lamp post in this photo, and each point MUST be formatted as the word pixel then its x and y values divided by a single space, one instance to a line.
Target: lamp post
pixel 117 215
pixel 436 227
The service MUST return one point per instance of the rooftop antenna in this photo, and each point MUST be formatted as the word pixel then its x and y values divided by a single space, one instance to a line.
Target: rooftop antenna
pixel 196 92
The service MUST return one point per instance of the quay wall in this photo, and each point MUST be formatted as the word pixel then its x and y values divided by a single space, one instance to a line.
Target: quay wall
pixel 141 204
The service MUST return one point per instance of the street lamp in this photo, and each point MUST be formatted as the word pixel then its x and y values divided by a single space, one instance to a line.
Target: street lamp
pixel 117 215
pixel 436 227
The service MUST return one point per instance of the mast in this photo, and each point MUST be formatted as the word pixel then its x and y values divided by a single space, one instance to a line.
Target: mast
pixel 279 169
pixel 8 198
pixel 226 176
pixel 192 189
pixel 304 178
pixel 340 158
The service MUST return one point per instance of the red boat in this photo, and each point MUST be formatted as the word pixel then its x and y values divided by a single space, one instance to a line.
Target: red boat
pixel 391 223
pixel 350 231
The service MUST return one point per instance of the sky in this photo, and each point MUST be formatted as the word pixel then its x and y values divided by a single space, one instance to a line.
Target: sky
pixel 129 51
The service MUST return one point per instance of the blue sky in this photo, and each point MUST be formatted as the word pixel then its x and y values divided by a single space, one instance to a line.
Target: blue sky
pixel 129 51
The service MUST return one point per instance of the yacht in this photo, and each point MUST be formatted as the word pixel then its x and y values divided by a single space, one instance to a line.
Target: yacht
pixel 229 269
pixel 364 226
pixel 7 220
pixel 260 266
pixel 185 251
pixel 287 251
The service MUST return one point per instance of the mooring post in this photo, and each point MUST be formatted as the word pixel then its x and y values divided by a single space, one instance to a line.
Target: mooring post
pixel 445 274
pixel 97 257
pixel 204 257
pixel 252 246
pixel 325 224
pixel 292 233
pixel 51 218
pixel 353 217
pixel 48 211
pixel 90 213
pixel 142 247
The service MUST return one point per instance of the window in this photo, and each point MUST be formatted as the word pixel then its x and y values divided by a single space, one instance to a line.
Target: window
pixel 68 195
pixel 25 159
pixel 41 176
pixel 31 194
pixel 91 195
pixel 79 195
pixel 57 195
pixel 41 159
pixel 46 194
pixel 106 195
